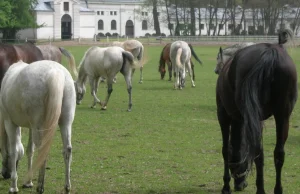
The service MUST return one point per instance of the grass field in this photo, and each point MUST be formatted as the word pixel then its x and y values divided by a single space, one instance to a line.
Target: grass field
pixel 169 143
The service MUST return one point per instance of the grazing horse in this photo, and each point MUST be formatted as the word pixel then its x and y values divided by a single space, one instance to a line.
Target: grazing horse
pixel 258 82
pixel 54 53
pixel 225 54
pixel 137 50
pixel 104 62
pixel 180 55
pixel 10 54
pixel 39 96
pixel 165 58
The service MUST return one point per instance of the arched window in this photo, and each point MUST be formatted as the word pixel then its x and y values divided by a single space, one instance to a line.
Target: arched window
pixel 100 25
pixel 144 25
pixel 113 25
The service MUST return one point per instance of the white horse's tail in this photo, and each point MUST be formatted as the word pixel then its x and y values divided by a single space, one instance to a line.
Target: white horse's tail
pixel 53 104
pixel 128 56
pixel 71 60
pixel 178 56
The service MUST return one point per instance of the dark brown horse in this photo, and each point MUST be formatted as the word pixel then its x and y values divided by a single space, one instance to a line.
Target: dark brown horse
pixel 258 82
pixel 165 58
pixel 10 54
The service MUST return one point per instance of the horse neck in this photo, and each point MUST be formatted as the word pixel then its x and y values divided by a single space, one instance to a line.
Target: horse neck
pixel 82 75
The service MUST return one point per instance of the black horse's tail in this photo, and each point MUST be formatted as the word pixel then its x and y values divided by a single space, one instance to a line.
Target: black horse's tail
pixel 255 89
pixel 194 54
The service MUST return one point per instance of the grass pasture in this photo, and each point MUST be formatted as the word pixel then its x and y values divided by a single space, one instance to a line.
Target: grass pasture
pixel 169 143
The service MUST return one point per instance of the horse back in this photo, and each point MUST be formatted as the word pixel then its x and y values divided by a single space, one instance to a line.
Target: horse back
pixel 29 52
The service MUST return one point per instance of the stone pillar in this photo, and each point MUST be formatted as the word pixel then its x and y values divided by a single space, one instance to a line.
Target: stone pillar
pixel 57 21
pixel 76 21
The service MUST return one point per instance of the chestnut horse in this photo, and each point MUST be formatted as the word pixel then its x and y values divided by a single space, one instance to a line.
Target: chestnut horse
pixel 165 58
pixel 257 82
pixel 10 54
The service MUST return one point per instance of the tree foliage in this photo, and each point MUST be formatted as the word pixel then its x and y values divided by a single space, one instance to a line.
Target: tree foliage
pixel 16 15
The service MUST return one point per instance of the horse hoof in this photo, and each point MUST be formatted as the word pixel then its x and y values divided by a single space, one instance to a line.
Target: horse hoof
pixel 128 110
pixel 140 82
pixel 93 106
pixel 27 185
pixel 193 86
pixel 103 108
pixel 13 190
pixel 226 191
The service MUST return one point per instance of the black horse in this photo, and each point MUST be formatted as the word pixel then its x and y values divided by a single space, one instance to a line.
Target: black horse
pixel 256 83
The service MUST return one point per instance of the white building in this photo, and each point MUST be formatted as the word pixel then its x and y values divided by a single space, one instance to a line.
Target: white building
pixel 65 19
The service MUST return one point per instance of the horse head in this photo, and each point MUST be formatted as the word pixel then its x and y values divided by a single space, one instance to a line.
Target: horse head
pixel 80 91
pixel 239 163
pixel 162 69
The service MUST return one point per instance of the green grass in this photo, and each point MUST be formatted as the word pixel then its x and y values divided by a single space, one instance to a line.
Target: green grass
pixel 169 143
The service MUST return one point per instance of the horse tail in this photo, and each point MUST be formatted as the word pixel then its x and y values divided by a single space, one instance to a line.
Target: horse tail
pixel 284 36
pixel 254 91
pixel 178 55
pixel 71 59
pixel 194 54
pixel 128 56
pixel 53 104
pixel 140 55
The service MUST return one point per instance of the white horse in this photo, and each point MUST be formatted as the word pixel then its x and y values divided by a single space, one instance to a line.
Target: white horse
pixel 38 96
pixel 180 55
pixel 137 50
pixel 104 62
pixel 225 54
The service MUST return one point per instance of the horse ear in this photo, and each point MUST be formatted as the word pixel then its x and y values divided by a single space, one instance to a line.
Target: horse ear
pixel 221 53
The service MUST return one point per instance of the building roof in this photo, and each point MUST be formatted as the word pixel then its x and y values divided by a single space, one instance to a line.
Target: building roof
pixel 116 1
pixel 43 5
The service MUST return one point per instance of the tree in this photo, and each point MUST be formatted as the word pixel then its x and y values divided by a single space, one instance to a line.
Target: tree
pixel 155 18
pixel 16 15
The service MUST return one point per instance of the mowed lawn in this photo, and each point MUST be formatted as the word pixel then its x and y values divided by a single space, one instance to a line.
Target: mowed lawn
pixel 169 143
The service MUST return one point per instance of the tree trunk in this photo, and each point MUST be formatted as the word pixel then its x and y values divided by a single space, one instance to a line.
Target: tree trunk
pixel 155 18
pixel 168 18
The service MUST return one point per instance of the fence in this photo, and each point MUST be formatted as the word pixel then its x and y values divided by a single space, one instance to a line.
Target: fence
pixel 159 40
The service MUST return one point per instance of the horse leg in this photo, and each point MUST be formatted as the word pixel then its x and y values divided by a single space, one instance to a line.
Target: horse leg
pixel 224 122
pixel 16 152
pixel 93 83
pixel 66 132
pixel 191 73
pixel 41 178
pixel 282 128
pixel 259 163
pixel 141 74
pixel 109 91
pixel 170 70
pixel 6 170
pixel 132 72
pixel 240 183
pixel 29 152
pixel 192 66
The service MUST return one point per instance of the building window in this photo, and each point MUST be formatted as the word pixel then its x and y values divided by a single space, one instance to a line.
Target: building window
pixel 158 14
pixel 113 25
pixel 230 26
pixel 111 12
pixel 221 26
pixel 100 25
pixel 201 26
pixel 171 26
pixel 98 12
pixel 211 26
pixel 144 13
pixel 66 6
pixel 102 12
pixel 144 25
pixel 239 26
pixel 115 13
